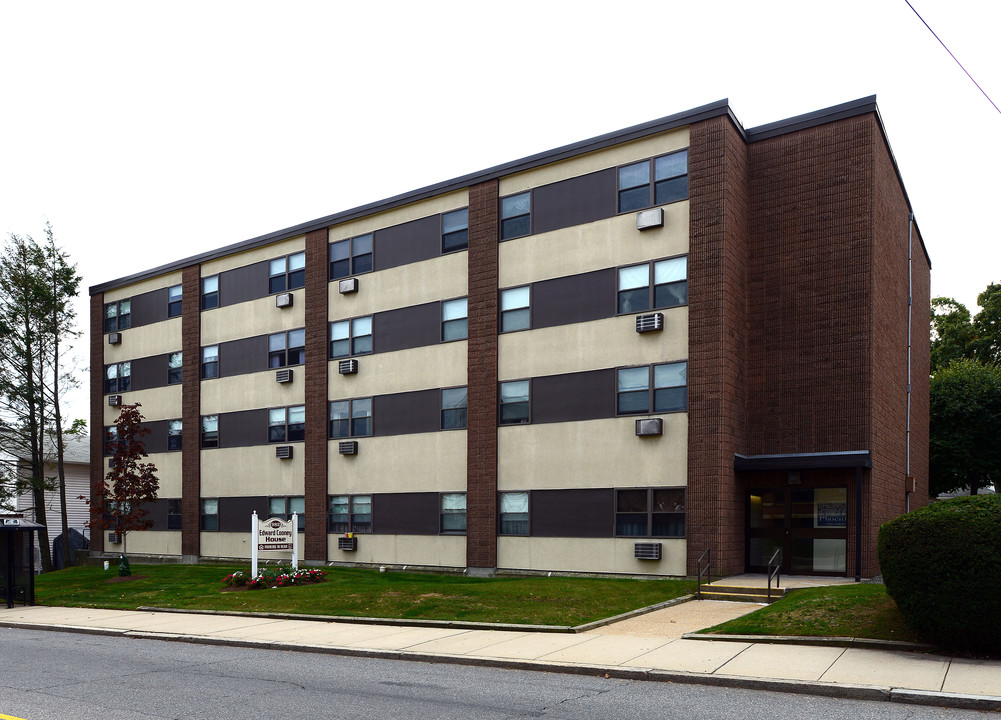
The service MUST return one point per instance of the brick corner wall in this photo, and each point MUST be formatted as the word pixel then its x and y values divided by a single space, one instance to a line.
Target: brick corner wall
pixel 191 421
pixel 96 412
pixel 315 481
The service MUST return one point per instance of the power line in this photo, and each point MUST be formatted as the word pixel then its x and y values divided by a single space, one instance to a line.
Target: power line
pixel 953 57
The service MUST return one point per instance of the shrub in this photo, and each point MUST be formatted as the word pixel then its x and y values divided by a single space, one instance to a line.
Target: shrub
pixel 274 577
pixel 942 566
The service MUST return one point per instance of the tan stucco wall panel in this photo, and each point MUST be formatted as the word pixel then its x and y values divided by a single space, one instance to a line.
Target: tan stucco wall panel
pixel 422 462
pixel 413 211
pixel 251 471
pixel 253 390
pixel 592 454
pixel 145 341
pixel 150 542
pixel 237 545
pixel 603 555
pixel 168 472
pixel 434 550
pixel 251 318
pixel 419 368
pixel 267 252
pixel 143 286
pixel 162 403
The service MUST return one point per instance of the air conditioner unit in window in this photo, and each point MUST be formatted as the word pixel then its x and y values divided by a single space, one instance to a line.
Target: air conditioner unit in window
pixel 347 543
pixel 347 286
pixel 114 400
pixel 111 463
pixel 348 447
pixel 649 322
pixel 651 218
pixel 114 538
pixel 649 427
pixel 114 338
pixel 283 452
pixel 284 375
pixel 283 300
pixel 647 551
pixel 347 367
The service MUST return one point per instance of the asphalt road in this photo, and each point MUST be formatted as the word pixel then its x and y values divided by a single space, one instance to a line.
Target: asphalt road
pixel 54 676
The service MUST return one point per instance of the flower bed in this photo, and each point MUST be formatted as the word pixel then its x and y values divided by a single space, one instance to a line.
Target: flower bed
pixel 274 578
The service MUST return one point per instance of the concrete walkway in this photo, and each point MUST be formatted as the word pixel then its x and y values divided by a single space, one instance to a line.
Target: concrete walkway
pixel 647 647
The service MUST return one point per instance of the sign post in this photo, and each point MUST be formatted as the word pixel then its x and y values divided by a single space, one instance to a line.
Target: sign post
pixel 253 545
pixel 274 534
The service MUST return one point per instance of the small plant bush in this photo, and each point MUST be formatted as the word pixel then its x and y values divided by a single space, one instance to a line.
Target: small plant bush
pixel 274 578
pixel 942 566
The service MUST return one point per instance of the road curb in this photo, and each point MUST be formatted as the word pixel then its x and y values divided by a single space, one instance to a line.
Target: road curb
pixel 846 642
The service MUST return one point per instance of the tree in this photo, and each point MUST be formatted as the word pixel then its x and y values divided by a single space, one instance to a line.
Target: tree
pixel 955 334
pixel 965 452
pixel 130 484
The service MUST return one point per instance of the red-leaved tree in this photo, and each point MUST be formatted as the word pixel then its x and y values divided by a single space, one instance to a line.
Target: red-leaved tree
pixel 130 484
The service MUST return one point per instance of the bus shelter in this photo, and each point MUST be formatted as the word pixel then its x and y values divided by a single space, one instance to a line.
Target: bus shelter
pixel 17 559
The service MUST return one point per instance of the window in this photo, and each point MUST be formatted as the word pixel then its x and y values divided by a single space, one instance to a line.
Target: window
pixel 351 418
pixel 118 377
pixel 110 440
pixel 351 337
pixel 516 215
pixel 667 392
pixel 514 402
pixel 210 362
pixel 174 295
pixel 350 514
pixel 515 309
pixel 174 514
pixel 455 230
pixel 453 512
pixel 209 520
pixel 210 431
pixel 665 282
pixel 650 512
pixel 283 507
pixel 210 292
pixel 287 424
pixel 454 322
pixel 174 435
pixel 287 273
pixel 351 257
pixel 287 348
pixel 453 408
pixel 514 513
pixel 118 316
pixel 174 368
pixel 670 182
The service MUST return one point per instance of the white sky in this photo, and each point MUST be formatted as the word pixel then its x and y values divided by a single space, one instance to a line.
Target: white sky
pixel 148 132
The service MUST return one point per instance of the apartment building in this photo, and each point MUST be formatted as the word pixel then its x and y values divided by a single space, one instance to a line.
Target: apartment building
pixel 611 357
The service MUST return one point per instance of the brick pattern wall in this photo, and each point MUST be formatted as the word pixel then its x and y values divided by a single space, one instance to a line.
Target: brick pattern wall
pixel 316 396
pixel 191 422
pixel 481 433
pixel 717 330
pixel 96 410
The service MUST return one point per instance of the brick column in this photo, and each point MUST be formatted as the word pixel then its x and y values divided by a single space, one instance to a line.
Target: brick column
pixel 717 329
pixel 481 432
pixel 96 411
pixel 191 421
pixel 316 292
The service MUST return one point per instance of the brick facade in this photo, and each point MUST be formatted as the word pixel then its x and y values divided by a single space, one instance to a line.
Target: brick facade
pixel 96 410
pixel 191 421
pixel 316 395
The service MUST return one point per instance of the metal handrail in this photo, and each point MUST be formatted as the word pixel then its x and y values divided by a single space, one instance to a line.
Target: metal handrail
pixel 706 558
pixel 775 570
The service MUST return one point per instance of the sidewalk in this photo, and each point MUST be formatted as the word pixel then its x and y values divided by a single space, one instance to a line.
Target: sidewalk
pixel 647 647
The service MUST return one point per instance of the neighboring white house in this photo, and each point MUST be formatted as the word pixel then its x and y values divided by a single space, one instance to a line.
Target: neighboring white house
pixel 76 463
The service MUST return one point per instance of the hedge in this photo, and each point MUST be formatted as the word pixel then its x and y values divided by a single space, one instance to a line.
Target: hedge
pixel 942 566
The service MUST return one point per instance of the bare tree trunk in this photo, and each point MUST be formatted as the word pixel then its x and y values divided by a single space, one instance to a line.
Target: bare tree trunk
pixel 58 417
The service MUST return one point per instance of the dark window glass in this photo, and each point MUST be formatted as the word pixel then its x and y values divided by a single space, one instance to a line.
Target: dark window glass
pixel 657 388
pixel 287 273
pixel 453 512
pixel 210 431
pixel 210 362
pixel 455 230
pixel 174 514
pixel 515 309
pixel 210 292
pixel 174 368
pixel 118 377
pixel 284 507
pixel 174 428
pixel 351 257
pixel 514 402
pixel 670 182
pixel 453 408
pixel 351 337
pixel 454 320
pixel 350 513
pixel 650 512
pixel 174 295
pixel 516 217
pixel 210 515
pixel 350 418
pixel 118 316
pixel 514 513
pixel 648 286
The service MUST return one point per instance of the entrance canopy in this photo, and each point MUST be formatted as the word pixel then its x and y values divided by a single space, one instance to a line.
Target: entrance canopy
pixel 804 461
pixel 17 559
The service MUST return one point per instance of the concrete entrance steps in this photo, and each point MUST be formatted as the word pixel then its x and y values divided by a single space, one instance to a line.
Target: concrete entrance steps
pixel 741 593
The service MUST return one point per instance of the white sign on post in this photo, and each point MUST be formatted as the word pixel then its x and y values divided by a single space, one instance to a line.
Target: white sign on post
pixel 274 534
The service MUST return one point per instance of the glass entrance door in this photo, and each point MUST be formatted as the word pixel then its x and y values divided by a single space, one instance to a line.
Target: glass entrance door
pixel 809 524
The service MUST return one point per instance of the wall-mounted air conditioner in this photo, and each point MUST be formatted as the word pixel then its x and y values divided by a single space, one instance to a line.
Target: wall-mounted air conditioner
pixel 114 400
pixel 649 427
pixel 347 286
pixel 647 551
pixel 650 322
pixel 283 452
pixel 284 375
pixel 646 219
pixel 349 544
pixel 348 447
pixel 283 300
pixel 347 367
pixel 114 338
pixel 114 538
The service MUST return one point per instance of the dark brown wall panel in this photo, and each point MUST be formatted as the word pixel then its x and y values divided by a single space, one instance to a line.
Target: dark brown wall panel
pixel 235 513
pixel 573 397
pixel 149 307
pixel 574 298
pixel 407 243
pixel 316 369
pixel 405 513
pixel 405 413
pixel 409 327
pixel 574 201
pixel 156 440
pixel 573 513
pixel 96 411
pixel 244 428
pixel 158 513
pixel 191 410
pixel 249 282
pixel 481 432
pixel 246 355
pixel 149 372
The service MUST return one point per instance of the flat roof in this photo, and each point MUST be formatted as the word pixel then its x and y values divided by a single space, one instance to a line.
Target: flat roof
pixel 803 461
pixel 617 137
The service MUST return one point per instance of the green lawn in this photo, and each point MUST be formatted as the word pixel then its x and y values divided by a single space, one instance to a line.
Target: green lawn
pixel 864 611
pixel 364 593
